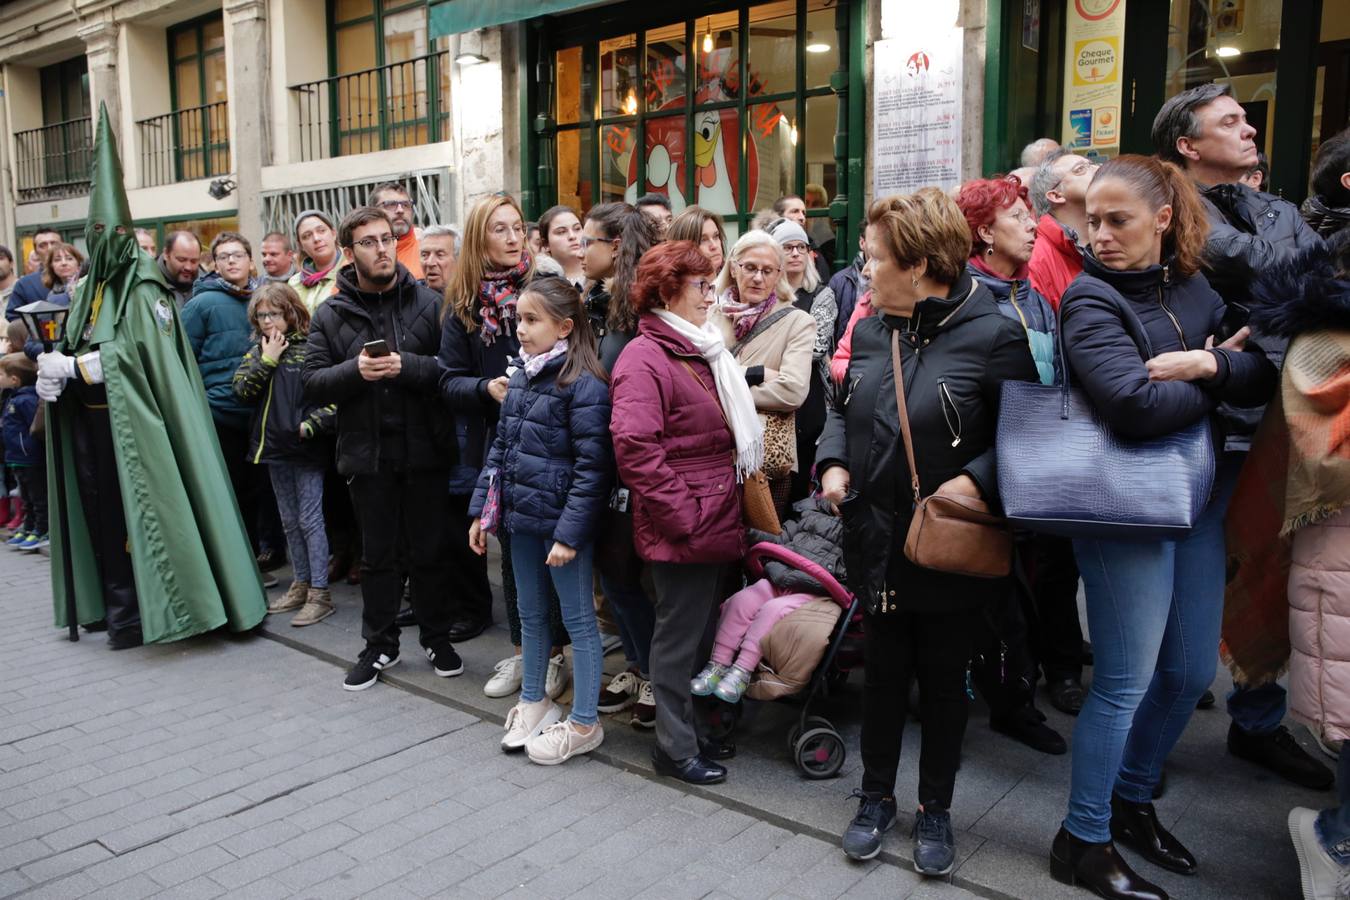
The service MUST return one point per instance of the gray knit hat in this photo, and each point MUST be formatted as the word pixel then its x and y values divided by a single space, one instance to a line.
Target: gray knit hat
pixel 787 231
pixel 305 214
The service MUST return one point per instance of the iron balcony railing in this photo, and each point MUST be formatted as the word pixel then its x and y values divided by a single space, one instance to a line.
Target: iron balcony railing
pixel 185 144
pixel 53 161
pixel 403 104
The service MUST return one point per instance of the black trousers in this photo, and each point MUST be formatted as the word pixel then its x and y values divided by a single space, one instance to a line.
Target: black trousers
pixel 33 491
pixel 473 597
pixel 394 507
pixel 243 477
pixel 101 500
pixel 897 648
pixel 1056 633
pixel 687 597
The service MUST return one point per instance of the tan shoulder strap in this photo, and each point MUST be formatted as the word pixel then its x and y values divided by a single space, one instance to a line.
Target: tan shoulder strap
pixel 902 412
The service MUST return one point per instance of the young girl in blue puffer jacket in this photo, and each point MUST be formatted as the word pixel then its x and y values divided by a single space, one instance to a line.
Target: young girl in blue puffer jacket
pixel 546 480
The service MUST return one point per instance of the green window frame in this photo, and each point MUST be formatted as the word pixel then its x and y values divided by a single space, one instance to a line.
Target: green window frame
pixel 201 136
pixel 397 103
pixel 547 37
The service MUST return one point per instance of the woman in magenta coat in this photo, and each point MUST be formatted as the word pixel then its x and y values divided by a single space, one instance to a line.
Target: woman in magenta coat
pixel 685 434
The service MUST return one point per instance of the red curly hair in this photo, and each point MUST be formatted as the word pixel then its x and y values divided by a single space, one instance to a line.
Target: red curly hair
pixel 981 199
pixel 661 274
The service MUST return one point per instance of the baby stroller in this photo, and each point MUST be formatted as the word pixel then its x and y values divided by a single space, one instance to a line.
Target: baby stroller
pixel 816 747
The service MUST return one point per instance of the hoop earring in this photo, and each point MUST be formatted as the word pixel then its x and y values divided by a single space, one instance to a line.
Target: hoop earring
pixel 913 281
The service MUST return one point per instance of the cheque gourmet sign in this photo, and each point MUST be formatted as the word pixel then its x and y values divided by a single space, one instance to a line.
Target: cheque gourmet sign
pixel 1094 39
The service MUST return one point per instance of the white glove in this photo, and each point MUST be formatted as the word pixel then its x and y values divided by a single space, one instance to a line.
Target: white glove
pixel 55 366
pixel 49 389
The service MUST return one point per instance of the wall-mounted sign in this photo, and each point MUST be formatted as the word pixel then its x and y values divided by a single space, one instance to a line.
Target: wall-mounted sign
pixel 1094 43
pixel 916 115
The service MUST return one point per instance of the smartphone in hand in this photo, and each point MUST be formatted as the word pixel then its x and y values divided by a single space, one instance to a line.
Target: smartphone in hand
pixel 376 348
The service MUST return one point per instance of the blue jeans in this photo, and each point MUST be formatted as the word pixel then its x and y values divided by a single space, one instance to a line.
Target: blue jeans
pixel 1154 611
pixel 1257 710
pixel 299 492
pixel 636 618
pixel 1333 825
pixel 576 593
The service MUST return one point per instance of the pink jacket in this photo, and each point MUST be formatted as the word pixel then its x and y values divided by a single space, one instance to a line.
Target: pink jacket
pixel 1319 626
pixel 844 352
pixel 674 451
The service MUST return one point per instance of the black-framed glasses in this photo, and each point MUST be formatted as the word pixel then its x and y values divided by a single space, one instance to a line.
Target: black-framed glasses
pixel 396 205
pixel 371 243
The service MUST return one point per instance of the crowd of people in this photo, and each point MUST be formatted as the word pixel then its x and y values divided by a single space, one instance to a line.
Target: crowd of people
pixel 610 391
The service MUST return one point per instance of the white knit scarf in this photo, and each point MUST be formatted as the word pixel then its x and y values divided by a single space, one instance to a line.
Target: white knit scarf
pixel 729 378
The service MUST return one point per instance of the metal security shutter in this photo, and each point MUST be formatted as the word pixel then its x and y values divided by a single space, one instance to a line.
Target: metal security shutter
pixel 428 190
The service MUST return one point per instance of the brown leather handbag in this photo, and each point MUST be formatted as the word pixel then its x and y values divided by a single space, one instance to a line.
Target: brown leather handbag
pixel 949 532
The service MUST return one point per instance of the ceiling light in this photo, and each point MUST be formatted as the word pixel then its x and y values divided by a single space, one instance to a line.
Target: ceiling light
pixel 815 46
pixel 707 42
pixel 630 103
pixel 1227 52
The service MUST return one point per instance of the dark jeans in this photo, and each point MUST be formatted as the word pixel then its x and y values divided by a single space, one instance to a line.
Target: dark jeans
pixel 298 490
pixel 391 504
pixel 101 500
pixel 243 477
pixel 897 648
pixel 474 594
pixel 636 618
pixel 33 490
pixel 1056 633
pixel 1333 825
pixel 687 597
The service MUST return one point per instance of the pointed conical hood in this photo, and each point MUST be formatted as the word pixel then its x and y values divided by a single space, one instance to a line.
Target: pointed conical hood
pixel 108 235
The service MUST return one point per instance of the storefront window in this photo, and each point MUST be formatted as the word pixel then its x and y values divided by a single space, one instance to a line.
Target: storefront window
pixel 760 86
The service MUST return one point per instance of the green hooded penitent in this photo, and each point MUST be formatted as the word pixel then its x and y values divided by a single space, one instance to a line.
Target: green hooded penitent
pixel 190 553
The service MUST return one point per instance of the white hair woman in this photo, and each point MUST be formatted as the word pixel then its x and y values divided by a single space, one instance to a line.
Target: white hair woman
pixel 774 340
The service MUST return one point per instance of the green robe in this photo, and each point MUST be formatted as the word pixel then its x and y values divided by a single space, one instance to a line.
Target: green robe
pixel 191 555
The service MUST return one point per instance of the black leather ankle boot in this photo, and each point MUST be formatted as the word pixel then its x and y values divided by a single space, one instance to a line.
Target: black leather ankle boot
pixel 1136 826
pixel 1099 868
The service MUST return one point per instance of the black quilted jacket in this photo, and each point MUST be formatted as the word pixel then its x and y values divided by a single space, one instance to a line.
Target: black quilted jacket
pixel 395 422
pixel 956 353
pixel 817 534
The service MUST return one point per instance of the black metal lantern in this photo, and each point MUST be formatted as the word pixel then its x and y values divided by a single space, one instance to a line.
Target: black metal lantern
pixel 45 322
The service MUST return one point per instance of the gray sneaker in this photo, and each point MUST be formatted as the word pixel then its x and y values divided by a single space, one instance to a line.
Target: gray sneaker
pixel 875 817
pixel 934 843
pixel 732 685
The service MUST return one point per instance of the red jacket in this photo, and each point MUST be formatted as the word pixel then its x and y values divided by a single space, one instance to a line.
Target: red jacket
pixel 674 450
pixel 1055 260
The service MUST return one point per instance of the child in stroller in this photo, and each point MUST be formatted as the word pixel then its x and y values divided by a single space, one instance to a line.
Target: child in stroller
pixel 748 615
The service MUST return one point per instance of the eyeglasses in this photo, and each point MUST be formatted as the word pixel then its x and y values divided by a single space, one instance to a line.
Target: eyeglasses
pixel 371 243
pixel 586 241
pixel 231 256
pixel 753 271
pixel 1082 167
pixel 268 316
pixel 396 205
pixel 498 231
pixel 705 287
pixel 797 248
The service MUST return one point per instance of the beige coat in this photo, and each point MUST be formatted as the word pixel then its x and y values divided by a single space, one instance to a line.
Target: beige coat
pixel 785 351
pixel 1319 627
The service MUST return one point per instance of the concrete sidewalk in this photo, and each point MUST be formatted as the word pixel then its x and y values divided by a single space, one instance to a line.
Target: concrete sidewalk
pixel 1009 799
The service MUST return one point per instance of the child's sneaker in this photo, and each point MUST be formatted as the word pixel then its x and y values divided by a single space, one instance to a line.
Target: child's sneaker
pixel 558 677
pixel 35 542
pixel 294 598
pixel 733 685
pixel 705 681
pixel 318 606
pixel 19 537
pixel 561 741
pixel 620 693
pixel 506 677
pixel 525 720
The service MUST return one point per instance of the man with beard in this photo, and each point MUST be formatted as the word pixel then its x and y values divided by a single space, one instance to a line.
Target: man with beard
pixel 154 540
pixel 29 288
pixel 393 198
pixel 180 262
pixel 372 351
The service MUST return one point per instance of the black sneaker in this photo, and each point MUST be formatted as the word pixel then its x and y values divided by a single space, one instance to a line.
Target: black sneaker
pixel 934 845
pixel 875 817
pixel 369 665
pixel 1026 725
pixel 444 660
pixel 621 693
pixel 1281 754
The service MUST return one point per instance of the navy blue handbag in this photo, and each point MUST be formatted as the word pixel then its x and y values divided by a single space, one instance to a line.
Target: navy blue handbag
pixel 1063 471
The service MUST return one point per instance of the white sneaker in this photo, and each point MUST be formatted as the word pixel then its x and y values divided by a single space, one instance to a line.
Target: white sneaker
pixel 525 720
pixel 561 741
pixel 1321 875
pixel 558 677
pixel 506 677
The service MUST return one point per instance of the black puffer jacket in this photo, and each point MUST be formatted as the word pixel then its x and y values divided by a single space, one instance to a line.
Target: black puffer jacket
pixel 817 534
pixel 392 422
pixel 1105 351
pixel 956 353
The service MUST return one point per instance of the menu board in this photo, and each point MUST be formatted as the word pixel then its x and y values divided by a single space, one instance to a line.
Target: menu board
pixel 916 111
pixel 1094 42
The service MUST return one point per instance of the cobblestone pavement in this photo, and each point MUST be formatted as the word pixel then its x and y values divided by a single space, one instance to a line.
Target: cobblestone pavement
pixel 236 766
